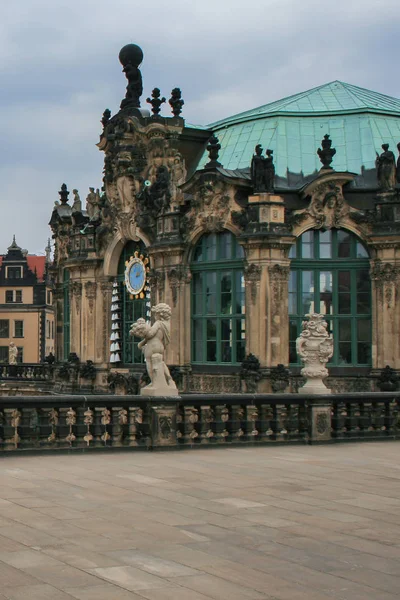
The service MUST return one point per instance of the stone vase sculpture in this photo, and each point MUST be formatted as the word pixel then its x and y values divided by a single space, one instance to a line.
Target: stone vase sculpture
pixel 315 347
pixel 155 339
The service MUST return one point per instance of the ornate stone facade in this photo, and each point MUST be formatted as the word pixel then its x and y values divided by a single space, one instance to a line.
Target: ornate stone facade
pixel 156 192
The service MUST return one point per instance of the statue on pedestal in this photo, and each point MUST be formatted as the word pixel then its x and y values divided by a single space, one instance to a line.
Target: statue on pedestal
pixel 315 347
pixel 77 205
pixel 386 169
pixel 258 170
pixel 269 172
pixel 12 354
pixel 155 339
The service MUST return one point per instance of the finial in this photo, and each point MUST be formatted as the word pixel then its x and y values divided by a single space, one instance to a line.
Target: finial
pixel 176 102
pixel 213 149
pixel 64 193
pixel 48 251
pixel 106 117
pixel 327 153
pixel 14 245
pixel 130 57
pixel 155 101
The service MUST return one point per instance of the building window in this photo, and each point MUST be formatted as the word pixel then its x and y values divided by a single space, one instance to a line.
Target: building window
pixel 66 315
pixel 52 330
pixel 14 272
pixel 49 297
pixel 4 328
pixel 18 329
pixel 218 300
pixel 20 356
pixel 3 354
pixel 131 308
pixel 13 296
pixel 330 275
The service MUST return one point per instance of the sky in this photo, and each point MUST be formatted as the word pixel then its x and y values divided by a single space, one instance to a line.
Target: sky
pixel 59 70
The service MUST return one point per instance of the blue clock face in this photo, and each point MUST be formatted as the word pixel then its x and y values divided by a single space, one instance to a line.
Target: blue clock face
pixel 137 277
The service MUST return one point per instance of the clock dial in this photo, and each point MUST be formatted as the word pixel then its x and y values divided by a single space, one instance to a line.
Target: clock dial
pixel 135 276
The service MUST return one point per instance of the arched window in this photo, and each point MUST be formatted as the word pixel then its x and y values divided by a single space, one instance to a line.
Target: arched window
pixel 330 275
pixel 132 308
pixel 218 303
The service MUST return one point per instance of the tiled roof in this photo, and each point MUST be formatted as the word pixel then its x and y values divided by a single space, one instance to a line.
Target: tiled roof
pixel 358 121
pixel 34 262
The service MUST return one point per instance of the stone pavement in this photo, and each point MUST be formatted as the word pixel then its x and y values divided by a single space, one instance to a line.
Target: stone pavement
pixel 293 523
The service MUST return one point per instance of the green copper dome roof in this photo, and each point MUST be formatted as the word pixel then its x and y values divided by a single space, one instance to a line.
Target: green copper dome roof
pixel 358 121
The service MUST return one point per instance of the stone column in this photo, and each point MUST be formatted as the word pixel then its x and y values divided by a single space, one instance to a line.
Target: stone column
pixel 76 316
pixel 385 278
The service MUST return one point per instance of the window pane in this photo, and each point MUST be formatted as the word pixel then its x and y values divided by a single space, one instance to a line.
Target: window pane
pixel 240 299
pixel 292 341
pixel 363 292
pixel 211 293
pixel 344 287
pixel 18 296
pixel 361 251
pixel 325 292
pixel 344 353
pixel 238 251
pixel 344 243
pixel 345 330
pixel 363 330
pixel 211 247
pixel 293 251
pixel 211 329
pixel 293 292
pixel 225 245
pixel 325 244
pixel 307 244
pixel 198 253
pixel 226 329
pixel 9 296
pixel 226 352
pixel 4 328
pixel 198 283
pixel 363 353
pixel 211 351
pixel 307 292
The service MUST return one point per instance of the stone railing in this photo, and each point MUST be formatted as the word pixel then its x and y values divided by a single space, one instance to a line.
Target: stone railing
pixel 27 372
pixel 90 422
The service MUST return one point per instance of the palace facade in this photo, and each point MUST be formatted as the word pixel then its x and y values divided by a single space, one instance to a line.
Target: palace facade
pixel 240 243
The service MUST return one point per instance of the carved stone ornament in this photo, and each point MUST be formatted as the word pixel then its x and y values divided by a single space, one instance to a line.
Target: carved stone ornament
pixel 314 347
pixel 328 206
pixel 176 276
pixel 279 277
pixel 386 169
pixel 386 279
pixel 91 289
pixel 321 422
pixel 252 277
pixel 76 292
pixel 210 207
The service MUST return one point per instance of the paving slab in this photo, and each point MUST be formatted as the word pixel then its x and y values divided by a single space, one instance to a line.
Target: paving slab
pixel 266 523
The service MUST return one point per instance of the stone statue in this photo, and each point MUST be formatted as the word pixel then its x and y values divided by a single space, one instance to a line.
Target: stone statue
pixel 398 165
pixel 315 347
pixel 160 195
pixel 258 171
pixel 155 338
pixel 93 205
pixel 77 204
pixel 326 153
pixel 386 169
pixel 269 175
pixel 12 354
pixel 131 57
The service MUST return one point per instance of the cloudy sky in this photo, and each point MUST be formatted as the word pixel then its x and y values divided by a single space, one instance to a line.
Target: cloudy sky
pixel 59 70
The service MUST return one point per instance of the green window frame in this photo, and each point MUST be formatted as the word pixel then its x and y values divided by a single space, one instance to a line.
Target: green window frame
pixel 4 328
pixel 18 328
pixel 330 275
pixel 132 308
pixel 66 315
pixel 218 300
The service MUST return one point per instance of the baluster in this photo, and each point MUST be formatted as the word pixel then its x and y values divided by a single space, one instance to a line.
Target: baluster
pixel 191 419
pixel 53 418
pixel 70 421
pixel 238 424
pixel 122 417
pixel 252 416
pixel 206 424
pixel 179 425
pixel 268 420
pixel 88 418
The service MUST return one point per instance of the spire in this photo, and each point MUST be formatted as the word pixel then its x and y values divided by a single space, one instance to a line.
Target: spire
pixel 14 245
pixel 48 251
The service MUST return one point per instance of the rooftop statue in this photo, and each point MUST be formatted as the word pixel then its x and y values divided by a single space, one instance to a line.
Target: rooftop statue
pixel 156 101
pixel 131 57
pixel 386 169
pixel 398 165
pixel 269 171
pixel 326 153
pixel 77 204
pixel 155 339
pixel 176 102
pixel 257 170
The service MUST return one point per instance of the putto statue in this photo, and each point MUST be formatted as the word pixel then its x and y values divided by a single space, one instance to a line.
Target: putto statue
pixel 12 354
pixel 131 57
pixel 315 347
pixel 386 169
pixel 155 338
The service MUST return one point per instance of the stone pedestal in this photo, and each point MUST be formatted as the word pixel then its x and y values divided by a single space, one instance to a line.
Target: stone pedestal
pixel 320 414
pixel 164 425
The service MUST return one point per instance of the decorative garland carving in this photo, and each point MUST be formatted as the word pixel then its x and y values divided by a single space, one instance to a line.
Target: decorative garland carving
pixel 252 276
pixel 76 291
pixel 279 277
pixel 386 278
pixel 176 276
pixel 91 290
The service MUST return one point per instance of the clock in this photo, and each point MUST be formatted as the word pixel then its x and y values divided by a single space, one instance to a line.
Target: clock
pixel 136 275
